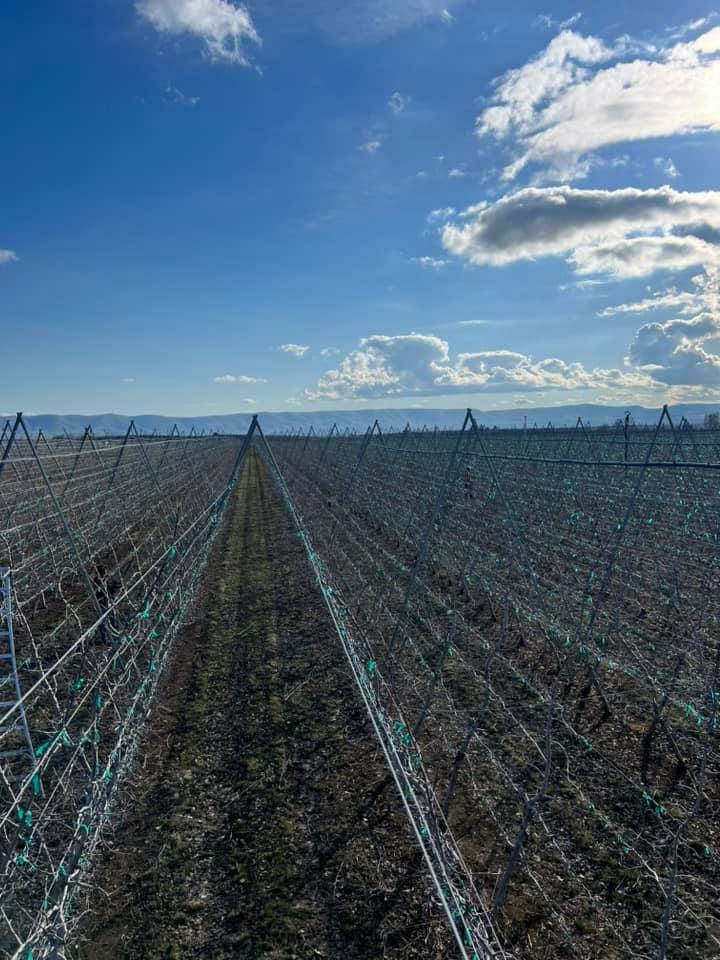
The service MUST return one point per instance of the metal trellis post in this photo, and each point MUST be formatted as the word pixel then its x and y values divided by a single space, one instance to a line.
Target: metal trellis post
pixel 10 690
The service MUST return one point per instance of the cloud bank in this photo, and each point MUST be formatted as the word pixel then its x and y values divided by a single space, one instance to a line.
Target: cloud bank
pixel 421 364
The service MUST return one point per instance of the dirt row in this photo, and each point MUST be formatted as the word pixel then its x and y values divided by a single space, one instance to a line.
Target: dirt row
pixel 261 822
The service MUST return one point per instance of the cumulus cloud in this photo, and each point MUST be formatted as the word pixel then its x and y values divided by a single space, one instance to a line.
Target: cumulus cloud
pixel 580 95
pixel 596 229
pixel 241 378
pixel 677 352
pixel 8 256
pixel 223 26
pixel 370 146
pixel 398 103
pixel 673 352
pixel 397 366
pixel 457 172
pixel 619 234
pixel 294 348
pixel 329 352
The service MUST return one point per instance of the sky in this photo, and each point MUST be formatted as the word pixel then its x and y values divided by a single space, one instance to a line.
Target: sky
pixel 328 204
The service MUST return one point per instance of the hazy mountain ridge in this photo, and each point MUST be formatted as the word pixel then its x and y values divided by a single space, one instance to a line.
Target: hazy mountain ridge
pixel 322 420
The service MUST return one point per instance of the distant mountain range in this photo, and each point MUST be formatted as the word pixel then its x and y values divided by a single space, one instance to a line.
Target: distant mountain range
pixel 322 420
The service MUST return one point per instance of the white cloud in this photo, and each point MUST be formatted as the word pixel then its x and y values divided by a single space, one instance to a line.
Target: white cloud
pixel 473 323
pixel 370 146
pixel 396 366
pixel 442 213
pixel 522 91
pixel 673 352
pixel 692 26
pixel 666 165
pixel 640 256
pixel 430 263
pixel 565 103
pixel 548 22
pixel 173 95
pixel 597 229
pixel 446 16
pixel 128 379
pixel 457 172
pixel 8 256
pixel 223 26
pixel 398 103
pixel 329 352
pixel 294 348
pixel 231 378
pixel 686 301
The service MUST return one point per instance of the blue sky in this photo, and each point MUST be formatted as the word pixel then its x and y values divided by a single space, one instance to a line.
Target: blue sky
pixel 305 204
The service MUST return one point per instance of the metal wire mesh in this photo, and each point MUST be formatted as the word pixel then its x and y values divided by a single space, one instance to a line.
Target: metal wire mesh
pixel 539 611
pixel 103 542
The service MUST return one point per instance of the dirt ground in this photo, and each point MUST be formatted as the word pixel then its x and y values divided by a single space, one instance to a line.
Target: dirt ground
pixel 260 822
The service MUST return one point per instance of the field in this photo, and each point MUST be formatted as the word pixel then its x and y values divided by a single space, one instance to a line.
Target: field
pixel 541 632
pixel 269 827
pixel 517 629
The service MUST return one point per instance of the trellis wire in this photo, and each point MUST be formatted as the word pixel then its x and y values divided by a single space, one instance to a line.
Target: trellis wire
pixel 530 617
pixel 105 541
pixel 542 606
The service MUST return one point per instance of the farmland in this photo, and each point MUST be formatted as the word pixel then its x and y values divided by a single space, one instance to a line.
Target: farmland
pixel 246 664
